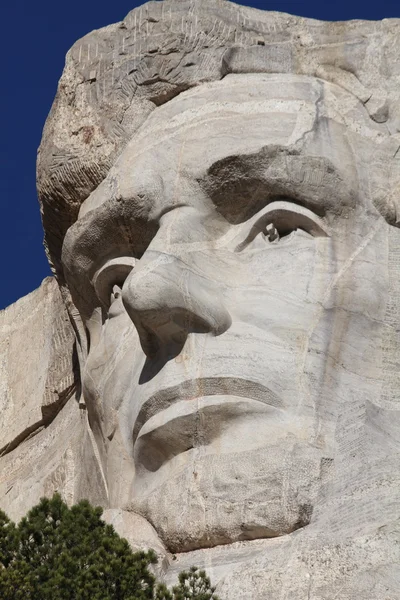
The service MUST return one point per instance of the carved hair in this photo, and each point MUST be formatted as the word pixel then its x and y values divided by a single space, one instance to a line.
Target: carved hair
pixel 115 76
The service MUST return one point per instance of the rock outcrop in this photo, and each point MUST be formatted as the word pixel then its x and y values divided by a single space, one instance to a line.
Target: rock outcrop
pixel 218 369
pixel 45 446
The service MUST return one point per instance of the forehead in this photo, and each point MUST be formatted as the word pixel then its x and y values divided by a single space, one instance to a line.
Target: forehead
pixel 231 105
pixel 239 115
pixel 244 97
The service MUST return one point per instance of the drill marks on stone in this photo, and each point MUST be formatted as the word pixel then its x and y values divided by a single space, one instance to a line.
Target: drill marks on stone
pixel 74 176
pixel 63 479
pixel 134 29
pixel 96 454
pixel 350 438
pixel 315 389
pixel 363 244
pixel 60 384
pixel 390 398
pixel 46 388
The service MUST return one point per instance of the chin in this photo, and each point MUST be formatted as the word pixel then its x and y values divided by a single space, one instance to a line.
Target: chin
pixel 207 500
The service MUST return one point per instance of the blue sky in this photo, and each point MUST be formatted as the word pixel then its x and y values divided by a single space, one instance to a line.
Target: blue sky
pixel 35 38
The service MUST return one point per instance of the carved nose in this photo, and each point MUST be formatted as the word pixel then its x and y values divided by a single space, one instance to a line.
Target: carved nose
pixel 166 301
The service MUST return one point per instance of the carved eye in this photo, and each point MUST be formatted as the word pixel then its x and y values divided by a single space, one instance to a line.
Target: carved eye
pixel 271 233
pixel 116 293
pixel 109 279
pixel 281 218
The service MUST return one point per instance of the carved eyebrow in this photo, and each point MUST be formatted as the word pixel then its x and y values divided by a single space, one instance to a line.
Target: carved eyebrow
pixel 240 186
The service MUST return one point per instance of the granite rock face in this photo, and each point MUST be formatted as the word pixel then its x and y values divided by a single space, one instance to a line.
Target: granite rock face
pixel 220 193
pixel 32 391
pixel 45 443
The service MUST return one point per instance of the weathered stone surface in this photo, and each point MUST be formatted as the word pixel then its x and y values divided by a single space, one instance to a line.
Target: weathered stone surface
pixel 36 358
pixel 139 533
pixel 242 334
pixel 220 190
pixel 59 458
pixel 45 440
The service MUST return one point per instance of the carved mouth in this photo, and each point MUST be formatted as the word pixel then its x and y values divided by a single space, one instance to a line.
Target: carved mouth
pixel 199 422
pixel 193 390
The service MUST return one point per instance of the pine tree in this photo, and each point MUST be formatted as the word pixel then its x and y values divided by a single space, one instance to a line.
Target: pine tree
pixel 7 539
pixel 194 585
pixel 61 553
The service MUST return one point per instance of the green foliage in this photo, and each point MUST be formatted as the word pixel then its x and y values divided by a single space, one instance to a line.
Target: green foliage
pixel 194 585
pixel 8 539
pixel 58 553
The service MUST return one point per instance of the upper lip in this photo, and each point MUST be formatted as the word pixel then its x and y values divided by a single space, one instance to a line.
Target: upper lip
pixel 197 388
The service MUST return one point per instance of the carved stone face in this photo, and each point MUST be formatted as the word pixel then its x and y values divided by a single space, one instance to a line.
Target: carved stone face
pixel 223 270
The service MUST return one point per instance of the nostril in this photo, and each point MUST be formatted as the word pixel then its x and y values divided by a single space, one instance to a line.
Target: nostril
pixel 163 332
pixel 163 342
